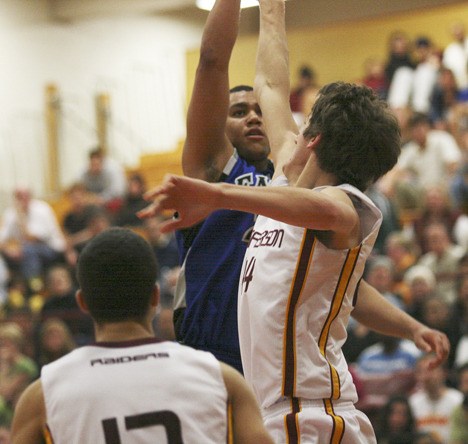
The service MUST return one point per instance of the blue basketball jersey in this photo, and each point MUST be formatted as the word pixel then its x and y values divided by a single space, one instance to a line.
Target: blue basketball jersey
pixel 211 253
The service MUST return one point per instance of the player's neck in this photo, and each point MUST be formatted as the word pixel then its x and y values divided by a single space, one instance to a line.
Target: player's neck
pixel 123 331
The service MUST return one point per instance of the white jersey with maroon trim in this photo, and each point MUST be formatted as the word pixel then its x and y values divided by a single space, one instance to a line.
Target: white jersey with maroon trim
pixel 295 299
pixel 136 392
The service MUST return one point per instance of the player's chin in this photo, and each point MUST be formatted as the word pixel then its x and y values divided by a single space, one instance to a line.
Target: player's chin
pixel 255 150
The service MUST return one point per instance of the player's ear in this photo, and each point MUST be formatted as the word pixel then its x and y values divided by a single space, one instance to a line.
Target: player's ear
pixel 314 141
pixel 81 302
pixel 155 296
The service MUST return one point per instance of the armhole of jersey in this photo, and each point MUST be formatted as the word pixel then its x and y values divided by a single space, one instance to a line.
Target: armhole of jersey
pixel 47 435
pixel 229 166
pixel 230 430
pixel 356 293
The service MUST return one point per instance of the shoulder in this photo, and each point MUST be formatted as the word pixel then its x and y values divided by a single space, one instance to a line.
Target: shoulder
pixel 30 415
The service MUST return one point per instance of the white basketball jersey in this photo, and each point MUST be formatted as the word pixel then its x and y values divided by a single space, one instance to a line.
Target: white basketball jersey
pixel 295 298
pixel 136 392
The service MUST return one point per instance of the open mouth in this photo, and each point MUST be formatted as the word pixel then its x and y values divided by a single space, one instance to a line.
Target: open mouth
pixel 255 134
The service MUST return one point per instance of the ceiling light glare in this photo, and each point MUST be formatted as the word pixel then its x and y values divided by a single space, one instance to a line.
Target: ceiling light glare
pixel 207 5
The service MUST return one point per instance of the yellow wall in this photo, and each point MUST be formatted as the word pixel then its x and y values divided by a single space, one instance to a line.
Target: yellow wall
pixel 338 52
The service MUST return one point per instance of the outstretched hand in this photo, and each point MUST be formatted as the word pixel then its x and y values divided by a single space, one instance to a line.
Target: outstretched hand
pixel 191 200
pixel 432 341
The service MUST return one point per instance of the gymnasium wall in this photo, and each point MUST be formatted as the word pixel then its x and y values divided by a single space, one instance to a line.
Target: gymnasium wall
pixel 338 51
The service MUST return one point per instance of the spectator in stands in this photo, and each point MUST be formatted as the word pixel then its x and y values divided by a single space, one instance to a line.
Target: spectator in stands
pixel 385 369
pixel 30 235
pixel 380 273
pixel 459 188
pixel 443 100
pixel 303 94
pixel 442 258
pixel 132 202
pixel 404 252
pixel 75 220
pixel 61 304
pixel 460 307
pixel 436 313
pixel 4 277
pixel 461 352
pixel 399 54
pixel 390 221
pixel 105 178
pixel 387 357
pixel 396 424
pixel 426 438
pixel 16 369
pixel 374 76
pixel 421 284
pixel 164 245
pixel 433 403
pixel 455 55
pixel 459 417
pixel 55 341
pixel 437 208
pixel 425 74
pixel 431 156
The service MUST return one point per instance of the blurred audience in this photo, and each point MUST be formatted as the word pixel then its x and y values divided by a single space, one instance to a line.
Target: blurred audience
pixel 105 179
pixel 30 235
pixel 396 425
pixel 434 402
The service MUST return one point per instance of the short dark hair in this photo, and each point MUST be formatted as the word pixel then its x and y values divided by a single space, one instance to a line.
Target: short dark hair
pixel 117 271
pixel 360 136
pixel 96 152
pixel 239 88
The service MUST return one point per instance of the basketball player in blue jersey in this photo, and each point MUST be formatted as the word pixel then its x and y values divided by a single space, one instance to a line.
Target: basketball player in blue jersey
pixel 301 277
pixel 130 387
pixel 225 142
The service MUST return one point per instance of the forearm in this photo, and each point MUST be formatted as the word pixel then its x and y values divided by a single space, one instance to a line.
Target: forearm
pixel 272 66
pixel 220 33
pixel 378 314
pixel 271 85
pixel 206 148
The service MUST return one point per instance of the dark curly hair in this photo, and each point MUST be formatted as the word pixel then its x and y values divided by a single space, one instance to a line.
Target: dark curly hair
pixel 360 136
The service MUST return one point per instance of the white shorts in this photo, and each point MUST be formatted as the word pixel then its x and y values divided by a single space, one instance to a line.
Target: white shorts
pixel 318 422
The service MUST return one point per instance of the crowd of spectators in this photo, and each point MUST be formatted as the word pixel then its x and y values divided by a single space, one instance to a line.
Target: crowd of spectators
pixel 39 317
pixel 420 261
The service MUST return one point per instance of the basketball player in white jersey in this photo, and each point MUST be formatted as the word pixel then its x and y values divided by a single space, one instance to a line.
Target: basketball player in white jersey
pixel 301 277
pixel 130 387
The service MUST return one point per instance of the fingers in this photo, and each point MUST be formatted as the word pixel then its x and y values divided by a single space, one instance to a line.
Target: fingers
pixel 437 343
pixel 171 225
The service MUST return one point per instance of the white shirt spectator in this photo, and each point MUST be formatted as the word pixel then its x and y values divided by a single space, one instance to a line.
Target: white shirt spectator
pixel 461 352
pixel 41 223
pixel 434 415
pixel 433 164
pixel 455 57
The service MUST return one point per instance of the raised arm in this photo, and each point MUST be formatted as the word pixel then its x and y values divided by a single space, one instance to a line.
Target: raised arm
pixel 272 86
pixel 206 148
pixel 375 312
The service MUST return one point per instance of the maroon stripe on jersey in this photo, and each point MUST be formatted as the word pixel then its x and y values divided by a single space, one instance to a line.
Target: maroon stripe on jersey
pixel 48 439
pixel 111 431
pixel 346 273
pixel 292 427
pixel 289 359
pixel 131 343
pixel 338 422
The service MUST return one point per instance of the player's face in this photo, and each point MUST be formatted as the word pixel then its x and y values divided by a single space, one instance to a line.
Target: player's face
pixel 244 126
